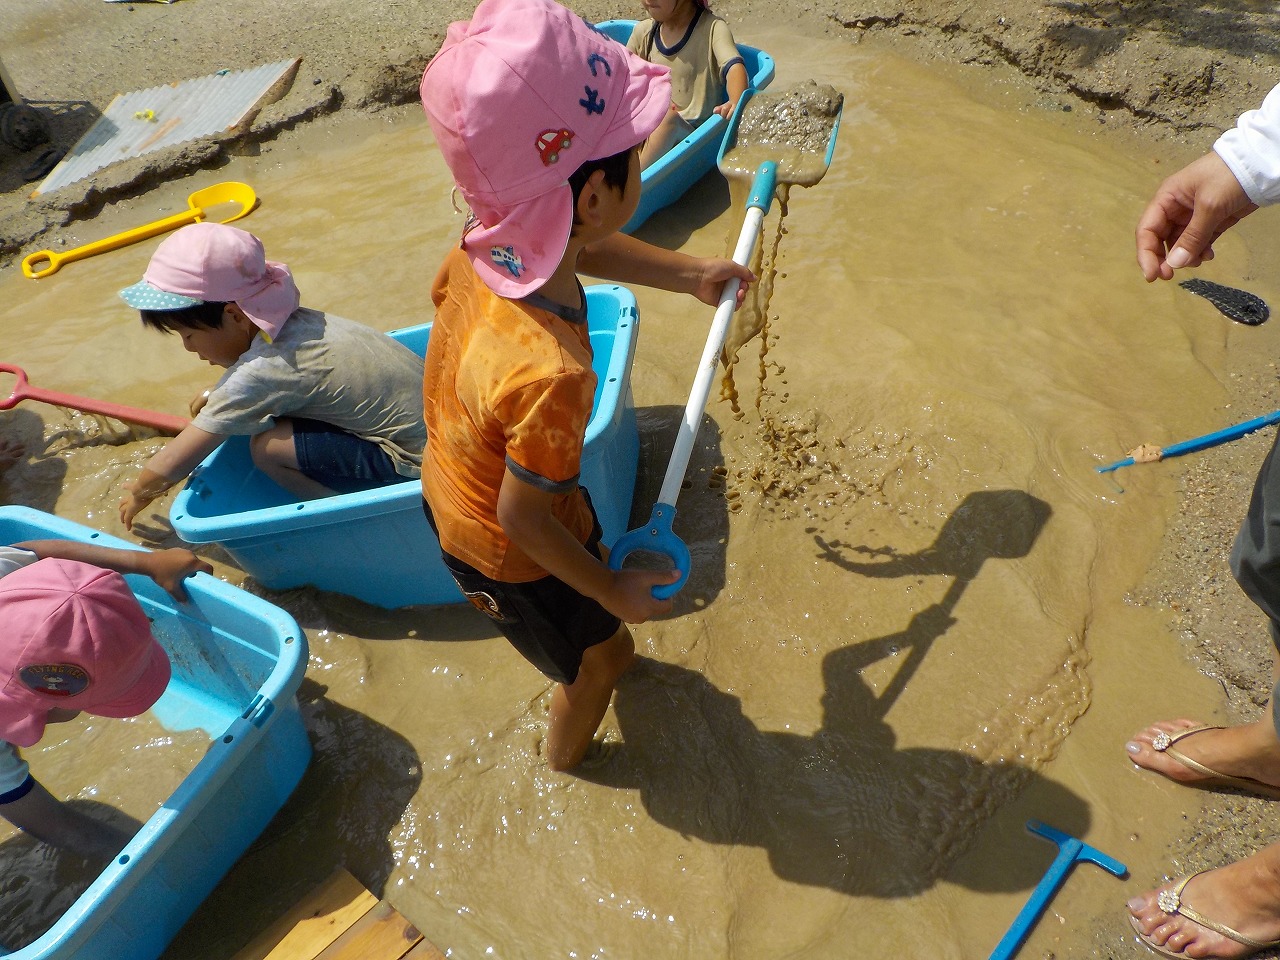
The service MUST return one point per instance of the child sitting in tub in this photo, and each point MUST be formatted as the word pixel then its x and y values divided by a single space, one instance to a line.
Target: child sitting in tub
pixel 330 406
pixel 698 48
pixel 74 638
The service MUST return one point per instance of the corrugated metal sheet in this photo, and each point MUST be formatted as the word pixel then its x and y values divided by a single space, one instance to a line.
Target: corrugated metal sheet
pixel 145 120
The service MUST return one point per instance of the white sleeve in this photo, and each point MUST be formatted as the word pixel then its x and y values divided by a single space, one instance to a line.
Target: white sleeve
pixel 1252 150
pixel 14 558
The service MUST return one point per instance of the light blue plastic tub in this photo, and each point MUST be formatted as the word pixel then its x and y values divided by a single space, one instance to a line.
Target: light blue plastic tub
pixel 376 545
pixel 666 179
pixel 237 662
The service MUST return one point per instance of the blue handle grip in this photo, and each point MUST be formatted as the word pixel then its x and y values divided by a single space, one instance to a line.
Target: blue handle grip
pixel 763 186
pixel 655 536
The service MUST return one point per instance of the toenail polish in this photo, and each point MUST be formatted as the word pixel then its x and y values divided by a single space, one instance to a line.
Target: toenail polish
pixel 1133 747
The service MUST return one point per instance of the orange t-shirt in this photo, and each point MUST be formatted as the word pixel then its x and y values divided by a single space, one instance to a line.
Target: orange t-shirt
pixel 505 385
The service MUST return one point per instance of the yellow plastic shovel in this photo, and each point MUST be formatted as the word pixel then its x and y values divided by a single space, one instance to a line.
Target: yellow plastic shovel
pixel 44 262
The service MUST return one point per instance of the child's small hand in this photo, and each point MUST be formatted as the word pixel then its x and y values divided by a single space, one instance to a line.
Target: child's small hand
pixel 134 502
pixel 170 567
pixel 726 109
pixel 631 598
pixel 712 274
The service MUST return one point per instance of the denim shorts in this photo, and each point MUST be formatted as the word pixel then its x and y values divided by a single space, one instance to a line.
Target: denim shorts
pixel 546 620
pixel 341 461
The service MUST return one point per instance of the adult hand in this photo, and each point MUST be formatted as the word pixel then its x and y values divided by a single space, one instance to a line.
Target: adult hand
pixel 1189 211
pixel 712 274
pixel 170 567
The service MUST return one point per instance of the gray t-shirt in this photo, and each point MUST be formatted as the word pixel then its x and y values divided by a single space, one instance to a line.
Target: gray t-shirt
pixel 325 368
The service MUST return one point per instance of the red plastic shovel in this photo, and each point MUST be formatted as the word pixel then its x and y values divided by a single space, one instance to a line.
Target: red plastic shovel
pixel 163 422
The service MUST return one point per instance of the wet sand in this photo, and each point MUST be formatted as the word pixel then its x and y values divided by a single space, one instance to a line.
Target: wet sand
pixel 881 531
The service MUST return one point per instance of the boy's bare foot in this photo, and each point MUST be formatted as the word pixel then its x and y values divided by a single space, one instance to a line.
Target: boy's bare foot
pixel 1246 757
pixel 1230 912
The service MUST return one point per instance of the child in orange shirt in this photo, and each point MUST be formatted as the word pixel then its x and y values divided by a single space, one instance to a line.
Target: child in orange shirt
pixel 540 117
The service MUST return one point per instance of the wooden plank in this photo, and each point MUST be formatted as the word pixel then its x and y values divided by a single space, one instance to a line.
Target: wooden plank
pixel 381 934
pixel 315 922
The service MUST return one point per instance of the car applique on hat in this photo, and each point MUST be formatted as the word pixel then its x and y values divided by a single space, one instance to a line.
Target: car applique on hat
pixel 507 257
pixel 551 142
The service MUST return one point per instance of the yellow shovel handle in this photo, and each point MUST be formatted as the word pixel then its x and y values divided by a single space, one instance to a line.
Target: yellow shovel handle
pixel 52 260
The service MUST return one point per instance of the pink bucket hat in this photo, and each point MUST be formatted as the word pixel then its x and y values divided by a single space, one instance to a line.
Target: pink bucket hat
pixel 212 262
pixel 73 636
pixel 519 97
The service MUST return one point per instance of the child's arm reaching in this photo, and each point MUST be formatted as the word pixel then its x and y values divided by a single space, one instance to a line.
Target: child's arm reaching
pixel 625 259
pixel 168 568
pixel 51 821
pixel 736 83
pixel 525 514
pixel 175 460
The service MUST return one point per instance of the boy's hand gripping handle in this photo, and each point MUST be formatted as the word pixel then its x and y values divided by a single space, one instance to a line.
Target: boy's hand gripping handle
pixel 657 536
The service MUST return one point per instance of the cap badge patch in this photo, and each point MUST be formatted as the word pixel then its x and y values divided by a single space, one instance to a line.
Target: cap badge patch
pixel 507 257
pixel 54 679
pixel 551 142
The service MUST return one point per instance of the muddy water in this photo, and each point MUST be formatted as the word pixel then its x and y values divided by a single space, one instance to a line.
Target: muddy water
pixel 906 630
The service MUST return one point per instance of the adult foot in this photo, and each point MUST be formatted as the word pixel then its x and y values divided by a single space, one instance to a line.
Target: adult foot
pixel 1227 913
pixel 1246 757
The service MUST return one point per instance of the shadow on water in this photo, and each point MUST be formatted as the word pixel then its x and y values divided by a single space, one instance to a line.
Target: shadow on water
pixel 834 808
pixel 361 779
pixel 35 479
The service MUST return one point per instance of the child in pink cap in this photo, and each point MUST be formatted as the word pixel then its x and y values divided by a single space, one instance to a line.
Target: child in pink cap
pixel 540 117
pixel 330 405
pixel 74 638
pixel 707 72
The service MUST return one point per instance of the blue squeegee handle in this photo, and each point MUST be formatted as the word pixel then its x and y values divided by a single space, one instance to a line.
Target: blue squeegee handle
pixel 657 536
pixel 1224 435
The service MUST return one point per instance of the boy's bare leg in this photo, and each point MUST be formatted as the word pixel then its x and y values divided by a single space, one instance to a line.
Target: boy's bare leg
pixel 276 456
pixel 577 708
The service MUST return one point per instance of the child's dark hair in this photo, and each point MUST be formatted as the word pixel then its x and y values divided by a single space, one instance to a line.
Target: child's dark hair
pixel 207 315
pixel 616 170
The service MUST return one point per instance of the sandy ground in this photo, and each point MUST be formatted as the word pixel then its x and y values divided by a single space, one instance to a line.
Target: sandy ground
pixel 1174 71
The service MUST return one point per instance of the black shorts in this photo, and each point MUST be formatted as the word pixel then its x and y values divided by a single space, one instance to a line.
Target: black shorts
pixel 548 621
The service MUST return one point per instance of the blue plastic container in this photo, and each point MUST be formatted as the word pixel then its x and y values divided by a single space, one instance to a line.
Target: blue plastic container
pixel 665 180
pixel 237 662
pixel 376 545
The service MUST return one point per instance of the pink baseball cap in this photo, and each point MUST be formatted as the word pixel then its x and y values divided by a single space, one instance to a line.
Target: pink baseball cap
pixel 519 97
pixel 213 262
pixel 73 636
